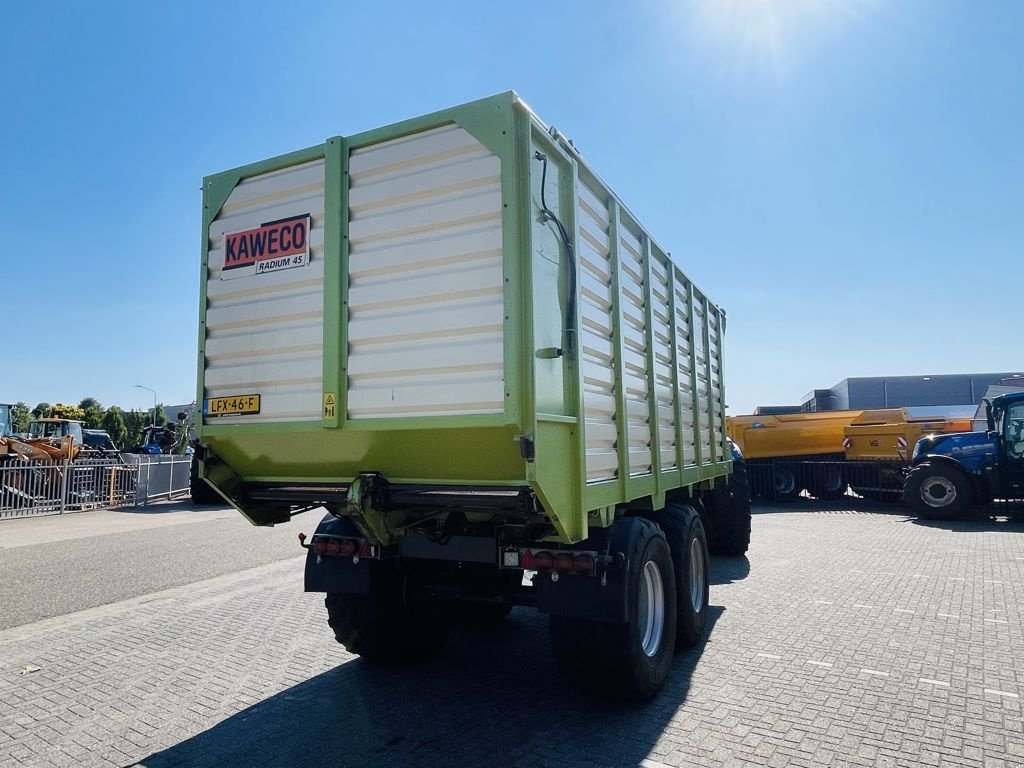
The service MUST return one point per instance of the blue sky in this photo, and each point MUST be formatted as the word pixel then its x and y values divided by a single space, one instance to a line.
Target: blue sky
pixel 846 177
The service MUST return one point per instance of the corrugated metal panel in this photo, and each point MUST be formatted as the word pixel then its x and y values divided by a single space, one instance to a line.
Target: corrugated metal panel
pixel 664 386
pixel 632 279
pixel 264 332
pixel 597 340
pixel 703 390
pixel 684 356
pixel 425 278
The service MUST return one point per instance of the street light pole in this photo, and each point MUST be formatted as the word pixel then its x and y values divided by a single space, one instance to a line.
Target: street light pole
pixel 143 386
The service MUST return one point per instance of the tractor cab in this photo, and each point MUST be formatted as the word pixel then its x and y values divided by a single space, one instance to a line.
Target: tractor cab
pixel 56 429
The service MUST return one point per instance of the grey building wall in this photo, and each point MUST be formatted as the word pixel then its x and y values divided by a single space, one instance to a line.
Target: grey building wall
pixel 909 391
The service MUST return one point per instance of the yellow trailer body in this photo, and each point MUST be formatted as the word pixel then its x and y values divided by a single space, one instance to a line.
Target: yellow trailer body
pixel 790 434
pixel 890 434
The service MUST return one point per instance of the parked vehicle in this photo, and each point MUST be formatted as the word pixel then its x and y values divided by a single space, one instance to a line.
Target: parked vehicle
pixel 453 336
pixel 6 425
pixel 824 453
pixel 952 472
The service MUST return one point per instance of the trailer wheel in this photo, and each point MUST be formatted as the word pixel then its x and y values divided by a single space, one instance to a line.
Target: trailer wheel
pixel 827 483
pixel 626 661
pixel 200 490
pixel 937 491
pixel 391 624
pixel 787 485
pixel 729 513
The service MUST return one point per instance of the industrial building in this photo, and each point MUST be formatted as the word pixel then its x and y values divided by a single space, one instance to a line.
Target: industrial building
pixel 906 391
pixel 869 392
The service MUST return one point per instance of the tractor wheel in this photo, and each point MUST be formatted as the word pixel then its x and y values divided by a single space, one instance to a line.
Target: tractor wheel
pixel 626 661
pixel 394 623
pixel 728 508
pixel 937 491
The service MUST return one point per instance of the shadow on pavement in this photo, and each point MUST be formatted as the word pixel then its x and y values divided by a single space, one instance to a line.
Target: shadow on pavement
pixel 980 521
pixel 492 698
pixel 165 507
pixel 725 570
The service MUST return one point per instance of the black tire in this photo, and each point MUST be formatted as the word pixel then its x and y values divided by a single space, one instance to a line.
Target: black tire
pixel 474 614
pixel 688 543
pixel 610 660
pixel 937 491
pixel 728 507
pixel 827 482
pixel 392 623
pixel 201 491
pixel 785 482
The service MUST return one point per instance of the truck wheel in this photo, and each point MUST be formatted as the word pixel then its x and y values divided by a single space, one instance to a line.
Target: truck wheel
pixel 199 489
pixel 937 491
pixel 729 513
pixel 626 661
pixel 392 623
pixel 827 483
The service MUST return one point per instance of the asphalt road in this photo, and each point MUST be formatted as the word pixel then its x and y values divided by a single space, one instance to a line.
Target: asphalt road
pixel 98 558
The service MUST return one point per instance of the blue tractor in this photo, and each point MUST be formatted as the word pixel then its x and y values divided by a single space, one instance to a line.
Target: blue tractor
pixel 951 472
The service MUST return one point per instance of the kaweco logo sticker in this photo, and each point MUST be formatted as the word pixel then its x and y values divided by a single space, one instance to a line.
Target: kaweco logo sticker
pixel 271 247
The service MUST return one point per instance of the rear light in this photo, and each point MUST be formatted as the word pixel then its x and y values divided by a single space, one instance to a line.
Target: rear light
pixel 319 545
pixel 526 561
pixel 563 562
pixel 347 547
pixel 583 564
pixel 333 547
pixel 543 561
pixel 366 550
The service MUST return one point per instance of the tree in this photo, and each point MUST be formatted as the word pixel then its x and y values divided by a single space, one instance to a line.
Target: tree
pixel 159 415
pixel 41 411
pixel 113 423
pixel 62 411
pixel 93 412
pixel 20 417
pixel 135 423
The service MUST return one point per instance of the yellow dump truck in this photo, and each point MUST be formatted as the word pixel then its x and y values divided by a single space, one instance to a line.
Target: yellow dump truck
pixel 826 452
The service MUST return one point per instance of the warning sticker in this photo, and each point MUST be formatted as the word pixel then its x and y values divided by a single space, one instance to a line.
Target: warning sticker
pixel 329 401
pixel 270 247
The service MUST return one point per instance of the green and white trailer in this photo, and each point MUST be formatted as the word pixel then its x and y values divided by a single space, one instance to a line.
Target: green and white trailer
pixel 454 337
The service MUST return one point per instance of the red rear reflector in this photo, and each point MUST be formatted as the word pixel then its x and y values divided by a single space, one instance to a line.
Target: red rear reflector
pixel 366 550
pixel 332 547
pixel 563 562
pixel 319 546
pixel 583 564
pixel 543 561
pixel 526 561
pixel 347 547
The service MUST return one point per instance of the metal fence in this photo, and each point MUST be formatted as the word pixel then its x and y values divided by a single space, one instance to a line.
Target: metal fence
pixel 841 483
pixel 46 488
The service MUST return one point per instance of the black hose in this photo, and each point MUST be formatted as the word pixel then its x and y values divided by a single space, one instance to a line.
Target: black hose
pixel 570 304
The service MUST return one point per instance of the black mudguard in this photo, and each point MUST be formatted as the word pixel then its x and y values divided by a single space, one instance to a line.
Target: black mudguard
pixel 337 574
pixel 584 597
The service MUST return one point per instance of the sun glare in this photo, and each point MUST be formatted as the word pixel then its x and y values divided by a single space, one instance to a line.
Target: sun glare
pixel 767 34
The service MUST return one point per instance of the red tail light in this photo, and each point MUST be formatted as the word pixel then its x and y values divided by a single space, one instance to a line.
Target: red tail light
pixel 543 561
pixel 583 564
pixel 319 545
pixel 332 547
pixel 526 561
pixel 347 547
pixel 563 562
pixel 366 550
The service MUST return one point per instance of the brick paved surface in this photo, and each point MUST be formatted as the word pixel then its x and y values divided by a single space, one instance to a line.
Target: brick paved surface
pixel 848 639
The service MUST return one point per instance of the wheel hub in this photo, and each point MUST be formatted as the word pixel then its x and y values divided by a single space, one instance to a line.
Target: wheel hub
pixel 696 576
pixel 652 608
pixel 938 492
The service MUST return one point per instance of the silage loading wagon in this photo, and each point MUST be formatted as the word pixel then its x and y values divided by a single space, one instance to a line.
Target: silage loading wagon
pixel 451 335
